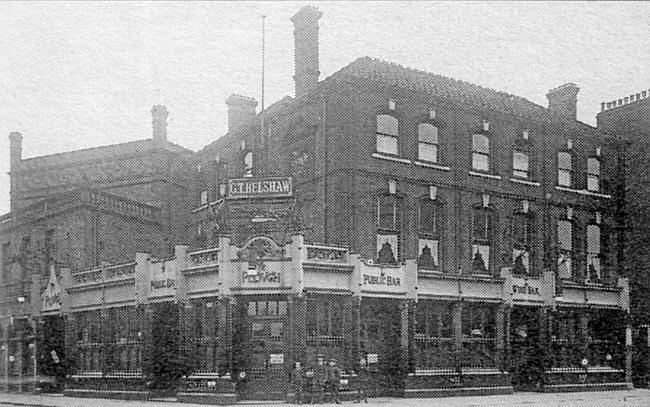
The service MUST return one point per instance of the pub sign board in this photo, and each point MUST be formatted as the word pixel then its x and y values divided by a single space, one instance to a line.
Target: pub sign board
pixel 268 187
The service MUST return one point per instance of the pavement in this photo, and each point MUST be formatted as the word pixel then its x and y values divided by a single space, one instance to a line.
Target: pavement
pixel 618 398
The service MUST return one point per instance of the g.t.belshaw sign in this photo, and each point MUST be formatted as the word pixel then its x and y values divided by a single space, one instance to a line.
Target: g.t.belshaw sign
pixel 269 187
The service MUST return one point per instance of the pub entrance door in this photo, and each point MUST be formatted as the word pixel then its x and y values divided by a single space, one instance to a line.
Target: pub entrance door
pixel 380 343
pixel 527 356
pixel 265 371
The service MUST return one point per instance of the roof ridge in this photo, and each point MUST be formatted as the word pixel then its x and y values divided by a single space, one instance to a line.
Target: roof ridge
pixel 436 82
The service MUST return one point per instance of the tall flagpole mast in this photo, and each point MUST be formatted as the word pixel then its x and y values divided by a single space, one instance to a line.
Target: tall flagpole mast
pixel 263 55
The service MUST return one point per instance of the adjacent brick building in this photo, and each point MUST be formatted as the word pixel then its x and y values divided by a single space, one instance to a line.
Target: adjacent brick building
pixel 628 118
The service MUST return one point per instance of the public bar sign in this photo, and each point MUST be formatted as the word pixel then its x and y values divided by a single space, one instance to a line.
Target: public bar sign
pixel 526 289
pixel 270 187
pixel 382 279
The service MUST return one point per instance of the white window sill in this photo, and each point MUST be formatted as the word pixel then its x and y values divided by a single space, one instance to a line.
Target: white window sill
pixel 583 192
pixel 431 165
pixel 525 182
pixel 596 194
pixel 391 158
pixel 480 174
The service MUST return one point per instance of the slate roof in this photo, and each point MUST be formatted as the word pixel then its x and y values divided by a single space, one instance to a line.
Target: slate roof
pixel 392 74
pixel 92 153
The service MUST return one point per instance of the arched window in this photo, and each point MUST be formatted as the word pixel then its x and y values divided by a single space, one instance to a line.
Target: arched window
pixel 248 164
pixel 428 142
pixel 387 133
pixel 480 152
pixel 564 169
pixel 593 174
pixel 482 240
pixel 593 252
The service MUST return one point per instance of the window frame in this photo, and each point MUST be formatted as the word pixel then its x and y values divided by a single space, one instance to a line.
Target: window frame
pixel 527 245
pixel 591 175
pixel 515 170
pixel 425 234
pixel 435 145
pixel 486 240
pixel 598 254
pixel 248 168
pixel 477 153
pixel 569 171
pixel 569 253
pixel 397 223
pixel 379 135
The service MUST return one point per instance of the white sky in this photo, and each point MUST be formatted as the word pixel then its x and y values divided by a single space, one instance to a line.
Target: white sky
pixel 75 75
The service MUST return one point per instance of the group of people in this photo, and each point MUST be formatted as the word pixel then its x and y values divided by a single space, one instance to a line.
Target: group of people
pixel 313 385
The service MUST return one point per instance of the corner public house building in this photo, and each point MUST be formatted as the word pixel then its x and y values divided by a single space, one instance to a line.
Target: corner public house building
pixel 469 245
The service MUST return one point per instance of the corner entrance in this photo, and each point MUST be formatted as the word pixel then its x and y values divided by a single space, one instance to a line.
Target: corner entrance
pixel 263 347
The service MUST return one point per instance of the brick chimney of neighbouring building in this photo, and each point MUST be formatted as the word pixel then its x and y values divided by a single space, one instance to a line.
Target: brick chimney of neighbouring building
pixel 15 148
pixel 159 115
pixel 563 100
pixel 305 35
pixel 241 109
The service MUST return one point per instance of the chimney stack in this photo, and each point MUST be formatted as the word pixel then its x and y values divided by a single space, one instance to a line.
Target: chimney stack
pixel 159 115
pixel 563 101
pixel 15 148
pixel 241 109
pixel 306 70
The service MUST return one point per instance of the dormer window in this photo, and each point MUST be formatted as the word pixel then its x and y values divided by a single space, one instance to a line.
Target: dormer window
pixel 480 152
pixel 387 133
pixel 593 174
pixel 428 142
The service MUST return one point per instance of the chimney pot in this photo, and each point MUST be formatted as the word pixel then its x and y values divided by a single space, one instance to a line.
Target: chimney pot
pixel 241 109
pixel 305 34
pixel 563 101
pixel 159 116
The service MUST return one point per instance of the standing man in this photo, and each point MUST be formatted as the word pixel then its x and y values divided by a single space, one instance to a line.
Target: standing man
pixel 297 383
pixel 320 376
pixel 362 382
pixel 333 380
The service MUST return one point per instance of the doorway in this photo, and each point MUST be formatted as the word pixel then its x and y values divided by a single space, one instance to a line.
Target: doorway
pixel 265 376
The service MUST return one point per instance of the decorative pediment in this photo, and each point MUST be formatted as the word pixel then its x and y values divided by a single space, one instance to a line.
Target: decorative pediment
pixel 259 249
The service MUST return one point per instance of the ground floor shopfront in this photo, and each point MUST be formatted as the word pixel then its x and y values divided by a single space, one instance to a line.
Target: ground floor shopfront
pixel 228 323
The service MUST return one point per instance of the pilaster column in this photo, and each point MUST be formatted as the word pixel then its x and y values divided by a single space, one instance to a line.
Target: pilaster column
pixel 298 328
pixel 19 342
pixel 457 324
pixel 4 354
pixel 145 313
pixel 584 333
pixel 406 336
pixel 352 332
pixel 225 335
pixel 501 335
pixel 628 354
